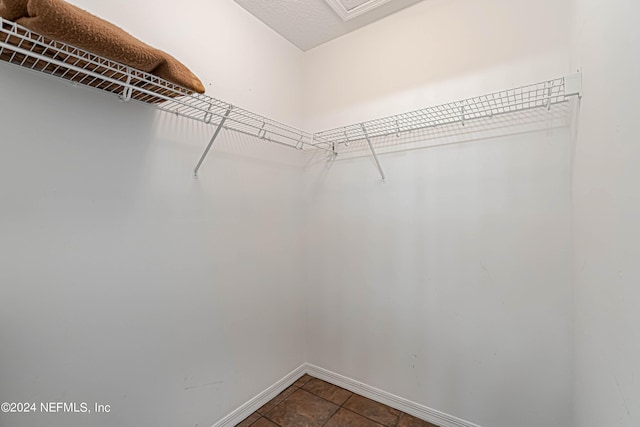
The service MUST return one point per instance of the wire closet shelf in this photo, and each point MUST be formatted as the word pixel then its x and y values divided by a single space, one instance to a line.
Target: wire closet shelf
pixel 544 94
pixel 23 47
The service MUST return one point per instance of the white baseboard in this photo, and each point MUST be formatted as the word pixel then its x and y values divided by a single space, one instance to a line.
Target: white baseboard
pixel 257 402
pixel 420 411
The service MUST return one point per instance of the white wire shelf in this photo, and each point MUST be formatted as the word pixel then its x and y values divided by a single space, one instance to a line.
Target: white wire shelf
pixel 538 95
pixel 21 46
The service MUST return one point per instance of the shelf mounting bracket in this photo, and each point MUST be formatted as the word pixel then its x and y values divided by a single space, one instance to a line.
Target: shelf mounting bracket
pixel 128 89
pixel 208 115
pixel 262 133
pixel 549 93
pixel 213 138
pixel 373 151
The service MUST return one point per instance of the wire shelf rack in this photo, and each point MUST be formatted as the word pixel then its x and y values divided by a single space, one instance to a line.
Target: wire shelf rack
pixel 23 47
pixel 544 94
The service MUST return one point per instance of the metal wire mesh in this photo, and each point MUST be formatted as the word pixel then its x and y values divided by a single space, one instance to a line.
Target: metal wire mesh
pixel 543 94
pixel 22 47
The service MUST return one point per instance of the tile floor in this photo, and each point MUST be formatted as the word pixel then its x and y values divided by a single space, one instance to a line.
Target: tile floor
pixel 311 402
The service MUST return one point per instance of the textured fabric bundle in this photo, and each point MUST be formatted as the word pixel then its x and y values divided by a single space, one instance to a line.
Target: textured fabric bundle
pixel 69 24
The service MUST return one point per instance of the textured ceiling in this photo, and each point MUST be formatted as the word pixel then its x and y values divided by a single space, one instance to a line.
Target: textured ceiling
pixel 310 23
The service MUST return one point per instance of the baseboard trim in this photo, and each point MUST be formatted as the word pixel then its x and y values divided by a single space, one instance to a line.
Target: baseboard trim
pixel 420 411
pixel 257 402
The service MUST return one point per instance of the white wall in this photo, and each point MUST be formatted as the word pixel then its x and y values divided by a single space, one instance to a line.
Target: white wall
pixel 451 284
pixel 605 221
pixel 433 52
pixel 126 282
pixel 238 59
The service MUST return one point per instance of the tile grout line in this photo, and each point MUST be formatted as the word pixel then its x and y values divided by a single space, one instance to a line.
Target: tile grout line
pixel 341 406
pixel 371 419
pixel 311 393
pixel 365 417
pixel 286 398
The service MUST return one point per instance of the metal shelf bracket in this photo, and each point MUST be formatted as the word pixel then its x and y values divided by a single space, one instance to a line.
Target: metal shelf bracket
pixel 573 84
pixel 208 115
pixel 213 138
pixel 262 133
pixel 128 89
pixel 373 151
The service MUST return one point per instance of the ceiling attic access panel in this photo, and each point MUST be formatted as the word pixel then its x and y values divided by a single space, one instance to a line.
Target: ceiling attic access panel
pixel 311 23
pixel 349 9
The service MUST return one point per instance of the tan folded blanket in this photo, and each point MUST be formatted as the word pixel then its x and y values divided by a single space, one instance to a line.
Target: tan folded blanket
pixel 69 24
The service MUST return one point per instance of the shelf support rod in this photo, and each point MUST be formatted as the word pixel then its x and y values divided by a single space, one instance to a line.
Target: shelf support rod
pixel 373 151
pixel 213 138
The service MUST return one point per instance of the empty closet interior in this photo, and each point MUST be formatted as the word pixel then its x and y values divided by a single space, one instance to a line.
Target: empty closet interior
pixel 433 206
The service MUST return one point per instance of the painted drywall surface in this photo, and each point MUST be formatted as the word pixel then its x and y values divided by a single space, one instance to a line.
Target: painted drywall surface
pixel 605 219
pixel 123 280
pixel 238 58
pixel 451 284
pixel 127 282
pixel 434 52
